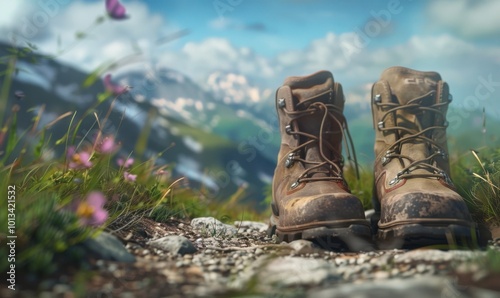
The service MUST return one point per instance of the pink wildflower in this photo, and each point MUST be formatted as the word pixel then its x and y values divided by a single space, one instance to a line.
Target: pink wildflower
pixel 106 145
pixel 116 10
pixel 91 211
pixel 78 161
pixel 115 89
pixel 129 177
pixel 126 163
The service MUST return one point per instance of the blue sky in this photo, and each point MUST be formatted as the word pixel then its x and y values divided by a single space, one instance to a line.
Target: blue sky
pixel 269 40
pixel 283 24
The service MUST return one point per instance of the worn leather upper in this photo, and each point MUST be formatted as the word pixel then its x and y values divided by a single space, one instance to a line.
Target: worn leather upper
pixel 412 176
pixel 308 186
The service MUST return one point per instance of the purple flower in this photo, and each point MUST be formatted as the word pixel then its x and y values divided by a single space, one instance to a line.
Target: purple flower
pixel 106 144
pixel 114 88
pixel 91 211
pixel 115 10
pixel 129 177
pixel 78 160
pixel 126 163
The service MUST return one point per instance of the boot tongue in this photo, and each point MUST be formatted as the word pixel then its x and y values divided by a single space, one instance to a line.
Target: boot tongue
pixel 306 87
pixel 406 85
pixel 318 87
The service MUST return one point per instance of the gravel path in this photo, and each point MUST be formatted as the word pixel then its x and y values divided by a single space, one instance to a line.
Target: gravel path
pixel 206 258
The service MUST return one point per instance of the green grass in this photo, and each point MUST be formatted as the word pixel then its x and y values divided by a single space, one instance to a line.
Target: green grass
pixel 49 196
pixel 52 196
pixel 477 178
pixel 362 187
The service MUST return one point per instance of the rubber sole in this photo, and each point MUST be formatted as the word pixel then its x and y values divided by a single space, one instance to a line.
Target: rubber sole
pixel 354 237
pixel 418 235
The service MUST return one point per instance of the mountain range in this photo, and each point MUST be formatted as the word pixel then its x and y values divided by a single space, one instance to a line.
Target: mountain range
pixel 225 131
pixel 201 137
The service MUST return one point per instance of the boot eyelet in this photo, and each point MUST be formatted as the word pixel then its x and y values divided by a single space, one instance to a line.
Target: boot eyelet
pixel 377 98
pixel 441 153
pixel 281 103
pixel 294 185
pixel 381 125
pixel 385 160
pixel 446 178
pixel 288 129
pixel 394 181
pixel 289 161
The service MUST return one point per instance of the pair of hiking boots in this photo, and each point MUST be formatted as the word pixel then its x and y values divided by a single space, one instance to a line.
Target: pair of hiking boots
pixel 414 198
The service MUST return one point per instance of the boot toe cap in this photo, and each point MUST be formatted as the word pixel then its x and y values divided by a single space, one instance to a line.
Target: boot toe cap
pixel 321 209
pixel 423 206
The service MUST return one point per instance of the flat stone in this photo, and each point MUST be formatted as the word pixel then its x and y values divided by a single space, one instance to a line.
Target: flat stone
pixel 409 288
pixel 434 255
pixel 108 247
pixel 288 272
pixel 174 244
pixel 381 275
pixel 302 246
pixel 253 225
pixel 212 227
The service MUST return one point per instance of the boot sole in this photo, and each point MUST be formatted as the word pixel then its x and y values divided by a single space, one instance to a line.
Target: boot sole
pixel 355 236
pixel 415 235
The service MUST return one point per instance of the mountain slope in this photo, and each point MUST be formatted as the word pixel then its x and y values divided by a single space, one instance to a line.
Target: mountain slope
pixel 177 110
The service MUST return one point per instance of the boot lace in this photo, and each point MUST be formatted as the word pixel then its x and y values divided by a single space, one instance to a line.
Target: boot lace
pixel 424 135
pixel 331 168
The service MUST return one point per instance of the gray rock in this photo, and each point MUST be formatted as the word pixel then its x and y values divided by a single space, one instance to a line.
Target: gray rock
pixel 212 227
pixel 434 255
pixel 174 244
pixel 253 225
pixel 108 247
pixel 288 272
pixel 302 246
pixel 417 287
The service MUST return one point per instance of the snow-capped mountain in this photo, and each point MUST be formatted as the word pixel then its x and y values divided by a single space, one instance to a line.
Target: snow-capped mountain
pixel 216 145
pixel 233 88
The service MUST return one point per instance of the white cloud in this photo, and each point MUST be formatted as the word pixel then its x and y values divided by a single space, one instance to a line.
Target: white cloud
pixel 105 42
pixel 111 40
pixel 331 52
pixel 460 61
pixel 199 59
pixel 9 12
pixel 468 18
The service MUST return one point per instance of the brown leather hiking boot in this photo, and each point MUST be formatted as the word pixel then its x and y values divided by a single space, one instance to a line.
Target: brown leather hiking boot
pixel 311 199
pixel 413 193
